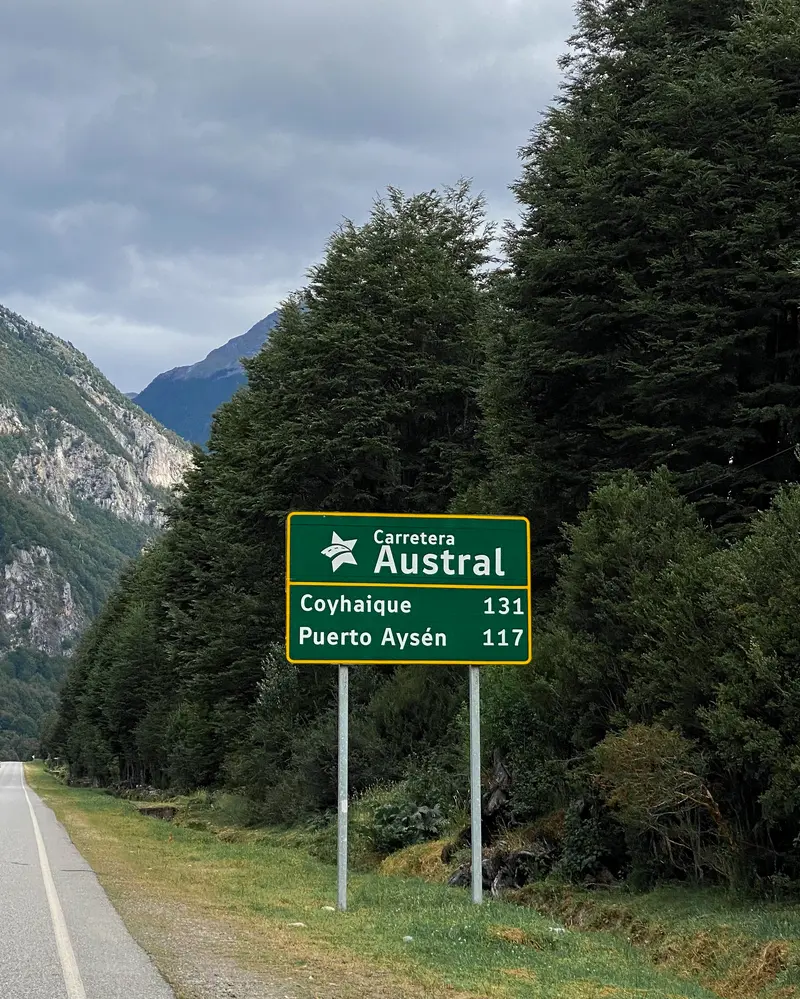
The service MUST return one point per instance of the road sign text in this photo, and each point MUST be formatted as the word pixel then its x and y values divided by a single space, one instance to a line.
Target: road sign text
pixel 382 588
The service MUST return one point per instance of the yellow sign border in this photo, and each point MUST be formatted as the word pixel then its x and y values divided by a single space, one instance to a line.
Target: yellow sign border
pixel 428 586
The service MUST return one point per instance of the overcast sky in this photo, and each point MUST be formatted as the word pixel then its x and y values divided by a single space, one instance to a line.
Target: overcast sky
pixel 169 169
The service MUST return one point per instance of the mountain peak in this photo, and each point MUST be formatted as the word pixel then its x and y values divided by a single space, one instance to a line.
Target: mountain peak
pixel 227 358
pixel 185 398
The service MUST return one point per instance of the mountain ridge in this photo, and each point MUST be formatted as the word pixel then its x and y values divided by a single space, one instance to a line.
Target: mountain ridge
pixel 226 359
pixel 185 398
pixel 84 477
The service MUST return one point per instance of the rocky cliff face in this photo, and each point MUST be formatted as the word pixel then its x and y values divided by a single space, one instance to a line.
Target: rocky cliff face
pixel 62 466
pixel 36 603
pixel 84 474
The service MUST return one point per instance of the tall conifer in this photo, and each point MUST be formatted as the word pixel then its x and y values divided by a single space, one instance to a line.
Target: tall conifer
pixel 649 314
pixel 362 400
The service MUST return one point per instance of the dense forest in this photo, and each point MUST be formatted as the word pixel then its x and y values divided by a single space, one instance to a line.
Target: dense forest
pixel 88 552
pixel 29 681
pixel 628 377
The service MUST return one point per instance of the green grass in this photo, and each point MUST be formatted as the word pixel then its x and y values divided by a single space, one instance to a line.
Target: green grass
pixel 710 909
pixel 739 948
pixel 262 886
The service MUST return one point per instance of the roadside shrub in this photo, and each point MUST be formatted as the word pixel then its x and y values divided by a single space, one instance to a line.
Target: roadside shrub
pixel 593 845
pixel 58 768
pixel 653 780
pixel 236 810
pixel 381 821
pixel 395 826
pixel 442 778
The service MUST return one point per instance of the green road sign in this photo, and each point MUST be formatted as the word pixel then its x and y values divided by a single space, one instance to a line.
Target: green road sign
pixel 385 588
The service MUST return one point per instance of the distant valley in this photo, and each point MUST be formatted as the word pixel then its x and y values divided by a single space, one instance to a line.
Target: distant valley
pixel 184 399
pixel 85 471
pixel 84 475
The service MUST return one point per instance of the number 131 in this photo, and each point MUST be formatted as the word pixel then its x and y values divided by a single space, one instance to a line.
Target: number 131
pixel 504 606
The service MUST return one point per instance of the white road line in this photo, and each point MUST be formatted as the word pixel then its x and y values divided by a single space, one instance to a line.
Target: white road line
pixel 69 966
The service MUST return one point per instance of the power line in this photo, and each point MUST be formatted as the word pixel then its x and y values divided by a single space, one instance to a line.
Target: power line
pixel 738 471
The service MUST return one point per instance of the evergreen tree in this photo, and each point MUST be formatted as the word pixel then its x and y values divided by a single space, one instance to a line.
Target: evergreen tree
pixel 119 676
pixel 362 400
pixel 649 312
pixel 751 726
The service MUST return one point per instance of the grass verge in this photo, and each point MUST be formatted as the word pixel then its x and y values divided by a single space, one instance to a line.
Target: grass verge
pixel 737 948
pixel 269 904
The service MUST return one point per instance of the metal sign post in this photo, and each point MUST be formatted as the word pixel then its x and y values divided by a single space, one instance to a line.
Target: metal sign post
pixel 475 782
pixel 437 589
pixel 341 845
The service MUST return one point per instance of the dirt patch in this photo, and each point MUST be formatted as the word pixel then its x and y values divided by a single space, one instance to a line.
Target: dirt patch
pixel 582 989
pixel 512 934
pixel 197 956
pixel 207 955
pixel 211 958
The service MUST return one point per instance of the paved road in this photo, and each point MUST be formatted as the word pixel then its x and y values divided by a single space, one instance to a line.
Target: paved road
pixel 60 937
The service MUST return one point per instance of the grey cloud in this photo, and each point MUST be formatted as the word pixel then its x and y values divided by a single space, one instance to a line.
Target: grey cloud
pixel 174 168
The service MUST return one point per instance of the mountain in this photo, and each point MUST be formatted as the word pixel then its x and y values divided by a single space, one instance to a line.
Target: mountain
pixel 184 399
pixel 83 477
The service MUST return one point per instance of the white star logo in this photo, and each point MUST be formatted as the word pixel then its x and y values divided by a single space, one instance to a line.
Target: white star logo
pixel 340 551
